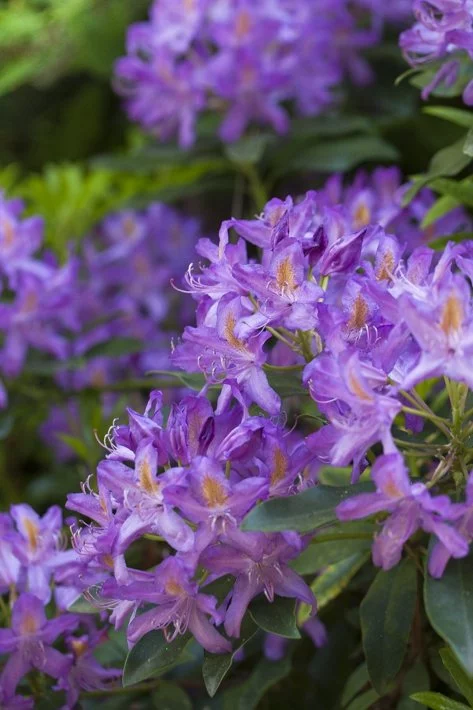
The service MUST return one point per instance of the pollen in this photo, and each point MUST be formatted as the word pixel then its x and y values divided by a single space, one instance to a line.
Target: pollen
pixel 359 314
pixel 357 388
pixel 385 269
pixel 279 467
pixel 213 492
pixel 78 647
pixel 129 226
pixel 243 24
pixel 362 216
pixel 146 477
pixel 392 490
pixel 8 232
pixel 29 624
pixel 173 588
pixel 32 533
pixel 229 331
pixel 452 315
pixel 285 275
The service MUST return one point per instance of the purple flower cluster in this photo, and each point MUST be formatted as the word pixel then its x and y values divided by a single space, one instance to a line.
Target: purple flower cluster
pixel 37 308
pixel 243 59
pixel 351 297
pixel 39 577
pixel 188 482
pixel 123 292
pixel 443 33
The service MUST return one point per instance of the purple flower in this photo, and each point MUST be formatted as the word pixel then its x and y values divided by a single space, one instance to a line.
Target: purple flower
pixel 29 642
pixel 244 60
pixel 263 570
pixel 85 673
pixel 462 514
pixel 442 32
pixel 410 507
pixel 179 607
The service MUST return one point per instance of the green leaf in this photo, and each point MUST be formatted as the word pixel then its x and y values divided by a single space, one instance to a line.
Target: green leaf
pixel 116 348
pixel 193 380
pixel 457 238
pixel 462 190
pixel 216 666
pixel 449 606
pixel 152 656
pixel 386 616
pixel 277 617
pixel 82 606
pixel 343 155
pixel 365 701
pixel 169 696
pixel 321 553
pixel 436 701
pixel 448 161
pixel 336 578
pixel 416 680
pixel 77 445
pixel 287 384
pixel 303 512
pixel 454 115
pixel 266 674
pixel 249 149
pixel 468 144
pixel 441 207
pixel 462 680
pixel 355 683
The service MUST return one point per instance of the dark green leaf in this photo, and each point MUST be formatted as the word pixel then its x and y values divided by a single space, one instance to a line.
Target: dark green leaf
pixel 386 616
pixel 462 680
pixel 169 696
pixel 152 656
pixel 365 701
pixel 355 683
pixel 336 577
pixel 303 512
pixel 287 384
pixel 266 674
pixel 416 680
pixel 342 155
pixel 436 701
pixel 216 666
pixel 278 617
pixel 449 606
pixel 454 115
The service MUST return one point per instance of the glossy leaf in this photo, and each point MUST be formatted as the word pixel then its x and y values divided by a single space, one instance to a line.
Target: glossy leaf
pixel 386 615
pixel 216 665
pixel 468 144
pixel 152 656
pixel 277 617
pixel 355 683
pixel 449 606
pixel 266 674
pixel 436 701
pixel 335 578
pixel 462 680
pixel 364 701
pixel 303 512
pixel 169 696
pixel 459 116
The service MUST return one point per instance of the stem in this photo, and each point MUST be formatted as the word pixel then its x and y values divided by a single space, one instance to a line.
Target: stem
pixel 256 185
